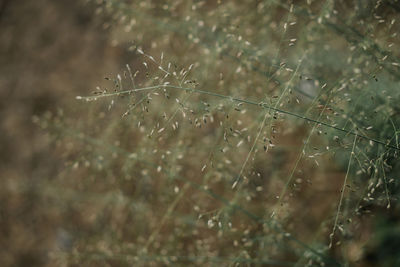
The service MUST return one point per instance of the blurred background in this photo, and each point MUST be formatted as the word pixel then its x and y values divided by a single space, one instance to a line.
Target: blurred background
pixel 171 177
pixel 50 51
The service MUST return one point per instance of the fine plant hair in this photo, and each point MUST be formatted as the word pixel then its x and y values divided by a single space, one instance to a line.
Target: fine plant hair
pixel 241 133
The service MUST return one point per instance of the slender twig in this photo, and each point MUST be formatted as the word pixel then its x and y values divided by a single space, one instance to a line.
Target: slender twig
pixel 342 194
pixel 239 100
